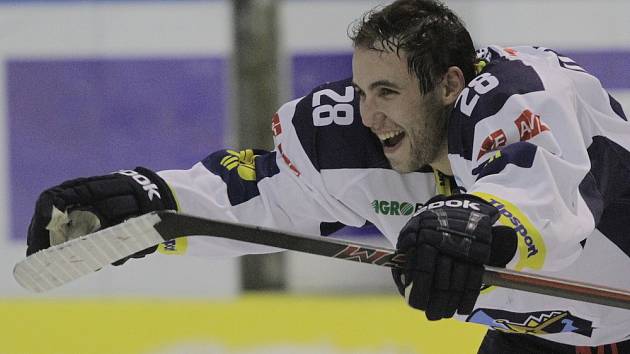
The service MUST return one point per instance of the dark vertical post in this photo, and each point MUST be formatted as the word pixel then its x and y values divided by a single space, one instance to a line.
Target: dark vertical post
pixel 254 101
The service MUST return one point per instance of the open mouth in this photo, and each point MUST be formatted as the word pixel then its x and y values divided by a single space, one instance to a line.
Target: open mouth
pixel 391 140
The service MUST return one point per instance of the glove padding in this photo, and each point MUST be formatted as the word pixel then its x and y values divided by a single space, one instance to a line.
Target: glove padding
pixel 84 205
pixel 446 243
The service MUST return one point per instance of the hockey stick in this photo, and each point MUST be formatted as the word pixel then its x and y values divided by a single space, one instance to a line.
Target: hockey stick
pixel 60 264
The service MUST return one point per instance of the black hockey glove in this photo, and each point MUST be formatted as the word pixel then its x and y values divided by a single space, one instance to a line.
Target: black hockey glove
pixel 84 205
pixel 446 243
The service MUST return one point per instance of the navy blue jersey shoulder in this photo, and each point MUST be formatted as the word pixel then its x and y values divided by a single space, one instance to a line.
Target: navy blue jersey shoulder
pixel 328 124
pixel 241 171
pixel 484 96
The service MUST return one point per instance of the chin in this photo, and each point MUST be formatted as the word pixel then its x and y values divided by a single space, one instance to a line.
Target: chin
pixel 406 163
pixel 401 166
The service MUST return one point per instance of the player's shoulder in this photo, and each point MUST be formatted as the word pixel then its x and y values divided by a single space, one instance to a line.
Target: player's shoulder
pixel 327 125
pixel 504 75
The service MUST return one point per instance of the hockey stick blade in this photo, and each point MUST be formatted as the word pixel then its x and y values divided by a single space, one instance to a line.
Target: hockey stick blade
pixel 60 264
pixel 63 263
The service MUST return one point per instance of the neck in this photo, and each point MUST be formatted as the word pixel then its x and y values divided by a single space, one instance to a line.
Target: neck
pixel 441 163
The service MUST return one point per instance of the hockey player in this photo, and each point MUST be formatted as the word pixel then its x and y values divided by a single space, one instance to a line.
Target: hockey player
pixel 521 137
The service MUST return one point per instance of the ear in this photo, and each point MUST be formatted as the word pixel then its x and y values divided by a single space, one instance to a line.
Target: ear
pixel 452 84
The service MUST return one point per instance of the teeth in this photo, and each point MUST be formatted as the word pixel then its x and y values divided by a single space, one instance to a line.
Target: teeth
pixel 388 135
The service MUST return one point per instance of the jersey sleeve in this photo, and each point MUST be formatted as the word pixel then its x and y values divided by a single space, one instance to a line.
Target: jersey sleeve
pixel 519 139
pixel 282 188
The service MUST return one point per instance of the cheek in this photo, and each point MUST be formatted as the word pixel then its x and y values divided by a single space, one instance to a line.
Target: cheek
pixel 409 111
pixel 411 120
pixel 367 115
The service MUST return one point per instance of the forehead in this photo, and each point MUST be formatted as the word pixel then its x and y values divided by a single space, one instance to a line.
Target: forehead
pixel 370 65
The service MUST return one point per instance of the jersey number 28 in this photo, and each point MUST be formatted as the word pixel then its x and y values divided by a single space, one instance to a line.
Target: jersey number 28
pixel 341 113
pixel 479 85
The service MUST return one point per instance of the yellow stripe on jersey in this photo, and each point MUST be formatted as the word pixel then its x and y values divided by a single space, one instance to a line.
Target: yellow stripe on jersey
pixel 175 247
pixel 531 246
pixel 442 183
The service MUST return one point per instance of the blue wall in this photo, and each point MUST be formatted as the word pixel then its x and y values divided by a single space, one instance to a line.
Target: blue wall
pixel 70 118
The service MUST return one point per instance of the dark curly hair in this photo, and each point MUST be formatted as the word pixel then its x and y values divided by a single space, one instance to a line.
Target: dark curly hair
pixel 433 37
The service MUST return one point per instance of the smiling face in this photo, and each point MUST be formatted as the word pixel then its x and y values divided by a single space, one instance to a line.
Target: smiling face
pixel 411 126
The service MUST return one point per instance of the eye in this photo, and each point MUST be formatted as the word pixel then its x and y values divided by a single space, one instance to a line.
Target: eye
pixel 359 92
pixel 385 92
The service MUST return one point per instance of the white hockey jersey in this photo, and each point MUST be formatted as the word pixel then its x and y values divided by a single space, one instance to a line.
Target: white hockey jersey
pixel 534 134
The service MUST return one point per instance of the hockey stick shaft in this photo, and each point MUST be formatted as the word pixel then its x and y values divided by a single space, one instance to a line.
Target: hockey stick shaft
pixel 173 224
pixel 60 264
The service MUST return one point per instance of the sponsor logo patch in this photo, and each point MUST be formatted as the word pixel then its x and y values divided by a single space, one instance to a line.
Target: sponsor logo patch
pixel 492 142
pixel 531 247
pixel 394 207
pixel 529 125
pixel 520 229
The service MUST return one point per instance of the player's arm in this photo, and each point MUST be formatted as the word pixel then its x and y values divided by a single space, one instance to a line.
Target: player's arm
pixel 285 188
pixel 525 150
pixel 278 188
